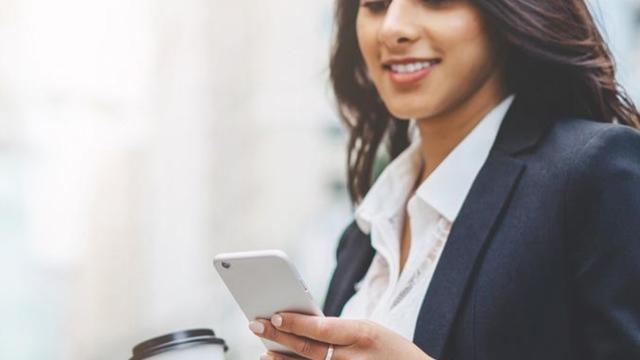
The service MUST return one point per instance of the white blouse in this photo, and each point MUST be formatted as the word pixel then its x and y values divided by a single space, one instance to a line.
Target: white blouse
pixel 385 296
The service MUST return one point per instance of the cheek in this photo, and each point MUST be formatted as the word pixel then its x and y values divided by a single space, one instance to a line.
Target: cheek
pixel 367 35
pixel 462 24
pixel 465 25
pixel 465 43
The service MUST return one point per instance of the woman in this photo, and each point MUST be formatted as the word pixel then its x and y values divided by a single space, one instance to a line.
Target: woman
pixel 507 225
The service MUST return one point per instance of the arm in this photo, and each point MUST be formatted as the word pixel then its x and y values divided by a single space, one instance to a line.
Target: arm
pixel 603 212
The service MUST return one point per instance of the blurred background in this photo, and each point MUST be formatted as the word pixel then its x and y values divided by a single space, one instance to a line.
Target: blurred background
pixel 140 138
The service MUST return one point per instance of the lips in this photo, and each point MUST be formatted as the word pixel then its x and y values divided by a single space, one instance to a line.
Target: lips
pixel 409 70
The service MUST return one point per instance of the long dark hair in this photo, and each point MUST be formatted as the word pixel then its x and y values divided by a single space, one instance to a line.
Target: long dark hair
pixel 554 54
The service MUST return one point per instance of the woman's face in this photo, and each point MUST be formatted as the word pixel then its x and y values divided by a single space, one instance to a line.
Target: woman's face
pixel 425 57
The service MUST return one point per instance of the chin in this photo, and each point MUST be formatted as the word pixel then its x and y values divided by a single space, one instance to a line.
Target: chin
pixel 414 107
pixel 408 112
pixel 403 115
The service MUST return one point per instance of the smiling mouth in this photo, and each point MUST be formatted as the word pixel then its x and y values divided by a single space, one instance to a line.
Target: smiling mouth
pixel 410 67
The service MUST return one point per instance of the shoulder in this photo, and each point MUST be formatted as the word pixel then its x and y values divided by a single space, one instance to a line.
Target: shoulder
pixel 602 190
pixel 595 169
pixel 596 149
pixel 580 134
pixel 583 148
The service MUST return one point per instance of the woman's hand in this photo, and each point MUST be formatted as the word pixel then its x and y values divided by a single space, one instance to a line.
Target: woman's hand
pixel 310 337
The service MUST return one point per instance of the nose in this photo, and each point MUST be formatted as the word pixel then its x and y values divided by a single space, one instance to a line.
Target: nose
pixel 398 28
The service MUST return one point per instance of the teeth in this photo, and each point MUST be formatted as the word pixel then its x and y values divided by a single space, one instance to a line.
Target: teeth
pixel 409 68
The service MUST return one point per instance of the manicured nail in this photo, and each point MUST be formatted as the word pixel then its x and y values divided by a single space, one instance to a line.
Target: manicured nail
pixel 265 357
pixel 276 320
pixel 256 326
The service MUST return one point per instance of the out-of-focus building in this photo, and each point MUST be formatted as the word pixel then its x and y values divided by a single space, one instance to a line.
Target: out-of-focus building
pixel 620 22
pixel 140 139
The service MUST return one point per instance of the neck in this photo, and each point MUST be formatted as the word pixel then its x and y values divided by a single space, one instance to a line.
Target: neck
pixel 441 133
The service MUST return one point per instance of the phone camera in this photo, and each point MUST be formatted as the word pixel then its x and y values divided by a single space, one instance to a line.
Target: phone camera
pixel 225 264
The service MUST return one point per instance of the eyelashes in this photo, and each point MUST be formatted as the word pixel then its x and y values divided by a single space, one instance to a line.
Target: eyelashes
pixel 378 6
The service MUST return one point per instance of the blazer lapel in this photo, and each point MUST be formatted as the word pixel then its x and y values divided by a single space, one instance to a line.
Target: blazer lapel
pixel 353 262
pixel 473 227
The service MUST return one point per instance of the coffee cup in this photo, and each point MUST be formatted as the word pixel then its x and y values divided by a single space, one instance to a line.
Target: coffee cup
pixel 196 344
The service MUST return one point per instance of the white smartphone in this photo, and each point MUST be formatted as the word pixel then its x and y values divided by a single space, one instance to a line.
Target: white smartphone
pixel 264 283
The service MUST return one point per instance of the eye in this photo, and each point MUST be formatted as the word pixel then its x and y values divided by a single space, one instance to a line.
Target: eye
pixel 376 6
pixel 437 2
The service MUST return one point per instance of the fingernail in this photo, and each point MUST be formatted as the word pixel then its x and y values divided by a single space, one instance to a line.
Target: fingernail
pixel 265 357
pixel 276 320
pixel 256 326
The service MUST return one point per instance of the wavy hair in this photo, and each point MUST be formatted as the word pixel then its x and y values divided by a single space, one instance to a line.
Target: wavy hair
pixel 554 53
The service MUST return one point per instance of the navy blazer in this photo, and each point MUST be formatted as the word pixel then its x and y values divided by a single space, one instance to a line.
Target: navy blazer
pixel 543 260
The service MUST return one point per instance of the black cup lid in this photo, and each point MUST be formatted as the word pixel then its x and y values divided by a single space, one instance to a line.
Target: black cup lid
pixel 179 339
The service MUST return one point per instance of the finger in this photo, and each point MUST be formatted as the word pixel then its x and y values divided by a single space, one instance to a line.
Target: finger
pixel 277 356
pixel 302 346
pixel 330 330
pixel 271 355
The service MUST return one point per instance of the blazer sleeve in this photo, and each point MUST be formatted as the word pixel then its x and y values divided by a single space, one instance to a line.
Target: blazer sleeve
pixel 603 215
